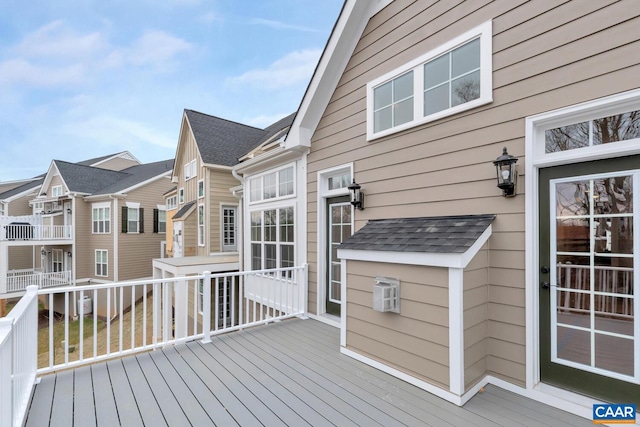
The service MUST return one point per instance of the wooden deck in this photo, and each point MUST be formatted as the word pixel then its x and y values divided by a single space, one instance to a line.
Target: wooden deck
pixel 289 373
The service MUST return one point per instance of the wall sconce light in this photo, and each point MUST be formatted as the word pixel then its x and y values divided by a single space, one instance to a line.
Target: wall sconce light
pixel 69 210
pixel 69 254
pixel 43 252
pixel 358 196
pixel 506 173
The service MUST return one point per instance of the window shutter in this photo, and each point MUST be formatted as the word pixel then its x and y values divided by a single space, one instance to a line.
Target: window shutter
pixel 125 219
pixel 155 220
pixel 141 220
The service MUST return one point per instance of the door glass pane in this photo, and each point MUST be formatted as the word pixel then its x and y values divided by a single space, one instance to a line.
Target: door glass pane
pixel 340 229
pixel 592 308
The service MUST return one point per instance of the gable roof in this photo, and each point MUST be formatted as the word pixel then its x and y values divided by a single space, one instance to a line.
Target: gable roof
pixel 221 142
pixel 444 234
pixel 344 37
pixel 96 181
pixel 32 185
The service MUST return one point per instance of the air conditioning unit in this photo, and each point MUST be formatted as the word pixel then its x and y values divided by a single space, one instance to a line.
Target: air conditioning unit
pixel 386 295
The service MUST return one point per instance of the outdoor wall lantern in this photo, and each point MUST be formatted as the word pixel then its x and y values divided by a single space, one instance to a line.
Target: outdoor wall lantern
pixel 69 210
pixel 69 254
pixel 358 196
pixel 506 173
pixel 43 252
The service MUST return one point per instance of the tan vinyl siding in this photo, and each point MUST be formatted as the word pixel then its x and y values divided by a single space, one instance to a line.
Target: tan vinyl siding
pixel 475 297
pixel 188 152
pixel 137 250
pixel 19 207
pixel 546 55
pixel 416 341
pixel 117 164
pixel 21 257
pixel 219 193
pixel 86 242
pixel 190 235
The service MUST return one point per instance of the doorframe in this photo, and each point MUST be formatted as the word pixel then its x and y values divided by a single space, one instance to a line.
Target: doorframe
pixel 321 245
pixel 536 160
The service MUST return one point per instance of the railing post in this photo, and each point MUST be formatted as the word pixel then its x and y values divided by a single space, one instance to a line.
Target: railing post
pixel 206 307
pixel 6 367
pixel 303 291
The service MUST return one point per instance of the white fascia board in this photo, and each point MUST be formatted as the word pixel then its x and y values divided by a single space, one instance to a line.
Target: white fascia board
pixel 333 61
pixel 165 174
pixel 35 190
pixel 449 260
pixel 217 167
pixel 269 159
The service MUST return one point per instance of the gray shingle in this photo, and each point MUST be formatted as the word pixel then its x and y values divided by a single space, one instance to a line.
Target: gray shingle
pixel 445 234
pixel 183 210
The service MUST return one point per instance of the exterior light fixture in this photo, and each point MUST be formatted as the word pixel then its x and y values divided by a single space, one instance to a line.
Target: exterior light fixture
pixel 43 252
pixel 506 173
pixel 358 196
pixel 69 210
pixel 69 254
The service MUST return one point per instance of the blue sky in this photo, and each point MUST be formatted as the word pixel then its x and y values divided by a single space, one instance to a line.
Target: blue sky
pixel 82 79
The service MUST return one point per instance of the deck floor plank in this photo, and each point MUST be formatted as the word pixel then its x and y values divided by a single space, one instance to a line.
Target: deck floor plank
pixel 62 409
pixel 172 412
pixel 209 402
pixel 146 400
pixel 399 408
pixel 128 410
pixel 258 375
pixel 106 410
pixel 216 387
pixel 84 412
pixel 312 394
pixel 287 373
pixel 43 400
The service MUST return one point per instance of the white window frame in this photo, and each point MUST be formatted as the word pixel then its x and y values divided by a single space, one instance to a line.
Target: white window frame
pixel 259 178
pixel 56 191
pixel 181 196
pixel 105 253
pixel 201 189
pixel 106 208
pixel 57 261
pixel 38 207
pixel 535 127
pixel 484 33
pixel 162 209
pixel 200 292
pixel 232 246
pixel 172 202
pixel 277 242
pixel 201 226
pixel 190 170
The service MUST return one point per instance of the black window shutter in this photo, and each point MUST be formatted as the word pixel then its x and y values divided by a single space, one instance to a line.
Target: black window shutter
pixel 141 223
pixel 125 219
pixel 155 220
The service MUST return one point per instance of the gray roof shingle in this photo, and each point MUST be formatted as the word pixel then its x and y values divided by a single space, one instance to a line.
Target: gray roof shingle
pixel 223 142
pixel 21 188
pixel 443 234
pixel 183 210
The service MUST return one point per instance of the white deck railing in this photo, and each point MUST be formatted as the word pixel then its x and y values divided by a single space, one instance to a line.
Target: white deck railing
pixel 30 227
pixel 19 280
pixel 18 359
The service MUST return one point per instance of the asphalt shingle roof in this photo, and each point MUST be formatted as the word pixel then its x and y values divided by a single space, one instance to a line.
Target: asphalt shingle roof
pixel 223 142
pixel 21 188
pixel 443 234
pixel 93 180
pixel 183 210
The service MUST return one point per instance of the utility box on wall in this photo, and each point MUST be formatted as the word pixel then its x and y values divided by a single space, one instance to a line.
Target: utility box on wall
pixel 386 295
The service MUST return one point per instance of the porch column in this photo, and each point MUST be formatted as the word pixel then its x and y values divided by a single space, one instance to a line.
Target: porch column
pixel 181 295
pixel 4 267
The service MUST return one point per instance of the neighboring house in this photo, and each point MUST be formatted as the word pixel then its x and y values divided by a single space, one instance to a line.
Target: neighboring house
pixel 415 101
pixel 96 221
pixel 206 232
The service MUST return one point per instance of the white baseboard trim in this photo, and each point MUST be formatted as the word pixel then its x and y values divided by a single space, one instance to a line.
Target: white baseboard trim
pixel 331 321
pixel 444 394
pixel 564 400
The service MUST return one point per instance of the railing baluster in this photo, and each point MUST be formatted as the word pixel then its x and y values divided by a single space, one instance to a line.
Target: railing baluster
pixel 120 317
pixel 81 324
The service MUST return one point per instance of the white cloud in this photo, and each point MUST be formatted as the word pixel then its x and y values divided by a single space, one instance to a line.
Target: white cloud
pixel 290 70
pixel 281 25
pixel 264 120
pixel 21 71
pixel 156 47
pixel 55 40
pixel 119 132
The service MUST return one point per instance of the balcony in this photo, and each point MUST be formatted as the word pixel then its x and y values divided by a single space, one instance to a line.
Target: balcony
pixel 32 228
pixel 19 280
pixel 248 358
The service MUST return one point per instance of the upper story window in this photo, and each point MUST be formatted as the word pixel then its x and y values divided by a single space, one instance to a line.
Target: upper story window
pixel 160 220
pixel 200 225
pixel 279 183
pixel 201 189
pixel 102 265
pixel 447 80
pixel 181 196
pixel 56 191
pixel 190 170
pixel 172 202
pixel 132 218
pixel 101 218
pixel 2 209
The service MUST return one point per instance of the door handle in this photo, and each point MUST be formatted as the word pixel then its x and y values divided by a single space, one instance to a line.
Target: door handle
pixel 545 285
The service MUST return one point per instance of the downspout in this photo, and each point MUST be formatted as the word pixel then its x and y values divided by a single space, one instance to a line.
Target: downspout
pixel 240 219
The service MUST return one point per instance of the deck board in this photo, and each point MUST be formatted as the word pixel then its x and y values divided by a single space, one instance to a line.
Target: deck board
pixel 84 412
pixel 287 373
